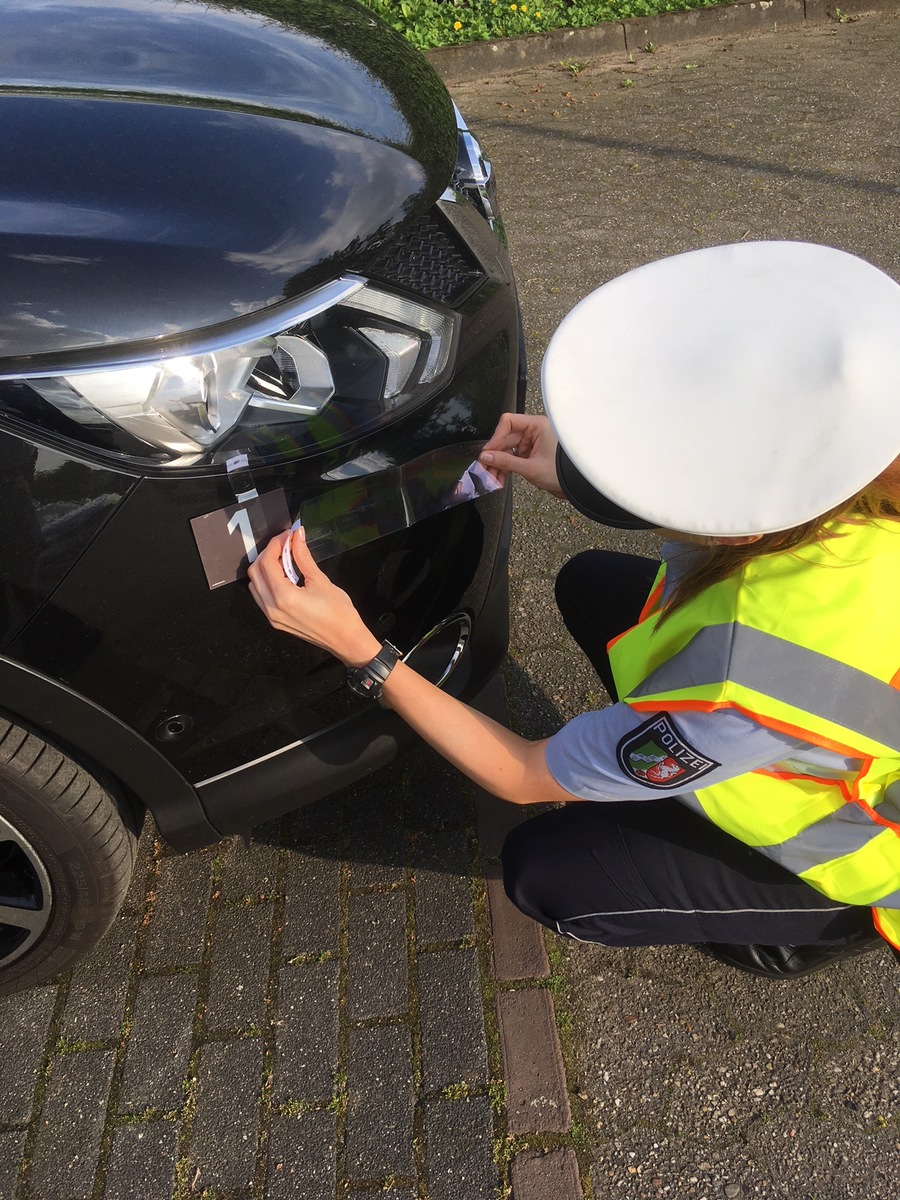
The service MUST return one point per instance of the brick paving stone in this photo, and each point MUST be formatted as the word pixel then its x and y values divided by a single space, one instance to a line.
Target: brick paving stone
pixel 443 887
pixel 517 941
pixel 376 836
pixel 25 1029
pixel 177 929
pixel 454 1049
pixel 312 908
pixel 142 1162
pixel 302 1157
pixel 65 1156
pixel 226 1127
pixel 436 795
pixel 459 1149
pixel 239 975
pixel 136 896
pixel 378 964
pixel 539 1175
pixel 306 1032
pixel 159 1044
pixel 12 1144
pixel 96 1000
pixel 250 870
pixel 379 1129
pixel 494 818
pixel 532 1062
pixel 316 823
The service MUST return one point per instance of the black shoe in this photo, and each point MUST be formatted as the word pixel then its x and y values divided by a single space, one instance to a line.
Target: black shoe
pixel 791 962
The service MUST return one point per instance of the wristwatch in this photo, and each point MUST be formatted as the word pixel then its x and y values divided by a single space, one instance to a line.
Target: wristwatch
pixel 369 680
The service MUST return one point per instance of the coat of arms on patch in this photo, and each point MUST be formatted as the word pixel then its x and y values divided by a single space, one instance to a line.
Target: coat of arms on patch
pixel 656 755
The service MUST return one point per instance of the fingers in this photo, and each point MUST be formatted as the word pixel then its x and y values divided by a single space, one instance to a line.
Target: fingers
pixel 269 568
pixel 500 461
pixel 497 440
pixel 512 428
pixel 260 590
pixel 301 555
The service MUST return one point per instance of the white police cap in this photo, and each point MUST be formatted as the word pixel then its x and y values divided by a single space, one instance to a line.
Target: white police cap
pixel 727 391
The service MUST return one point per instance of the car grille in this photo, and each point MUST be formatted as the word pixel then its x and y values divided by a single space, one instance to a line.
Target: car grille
pixel 426 258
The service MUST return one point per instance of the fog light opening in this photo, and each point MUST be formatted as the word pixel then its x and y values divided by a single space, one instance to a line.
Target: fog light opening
pixel 436 655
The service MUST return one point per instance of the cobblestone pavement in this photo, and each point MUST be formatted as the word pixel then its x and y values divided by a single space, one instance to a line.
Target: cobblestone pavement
pixel 314 1013
pixel 345 1006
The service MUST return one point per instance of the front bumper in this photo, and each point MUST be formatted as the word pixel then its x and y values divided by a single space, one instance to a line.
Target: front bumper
pixel 359 744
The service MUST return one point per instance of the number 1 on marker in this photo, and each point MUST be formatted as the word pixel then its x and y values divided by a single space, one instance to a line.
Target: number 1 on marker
pixel 241 521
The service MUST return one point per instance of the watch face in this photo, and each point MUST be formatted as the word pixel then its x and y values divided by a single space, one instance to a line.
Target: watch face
pixel 363 684
pixel 369 680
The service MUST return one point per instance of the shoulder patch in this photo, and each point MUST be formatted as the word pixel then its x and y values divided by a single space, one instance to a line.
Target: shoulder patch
pixel 656 755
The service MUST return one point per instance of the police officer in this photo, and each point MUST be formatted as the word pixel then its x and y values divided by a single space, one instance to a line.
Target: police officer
pixel 745 783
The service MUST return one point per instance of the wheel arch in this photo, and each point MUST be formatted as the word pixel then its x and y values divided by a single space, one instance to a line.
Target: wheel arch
pixel 82 728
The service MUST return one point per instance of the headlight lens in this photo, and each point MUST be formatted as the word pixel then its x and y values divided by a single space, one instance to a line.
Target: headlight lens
pixel 325 372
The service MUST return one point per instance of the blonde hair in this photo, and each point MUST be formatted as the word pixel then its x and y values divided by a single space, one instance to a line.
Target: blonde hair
pixel 879 501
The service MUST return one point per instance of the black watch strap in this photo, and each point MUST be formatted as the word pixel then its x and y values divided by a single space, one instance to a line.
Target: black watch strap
pixel 369 680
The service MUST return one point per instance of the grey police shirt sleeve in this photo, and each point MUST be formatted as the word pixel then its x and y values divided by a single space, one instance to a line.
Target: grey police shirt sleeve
pixel 619 754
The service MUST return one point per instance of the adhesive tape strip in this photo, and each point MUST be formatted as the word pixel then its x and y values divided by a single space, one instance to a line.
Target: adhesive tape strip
pixel 287 560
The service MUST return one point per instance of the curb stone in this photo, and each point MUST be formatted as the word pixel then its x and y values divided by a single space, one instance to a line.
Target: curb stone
pixel 533 1065
pixel 542 1176
pixel 532 1060
pixel 476 60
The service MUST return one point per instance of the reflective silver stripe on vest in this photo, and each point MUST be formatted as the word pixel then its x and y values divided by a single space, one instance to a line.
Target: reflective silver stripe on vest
pixel 789 673
pixel 890 805
pixel 842 832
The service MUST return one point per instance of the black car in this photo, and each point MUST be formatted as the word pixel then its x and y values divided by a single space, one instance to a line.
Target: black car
pixel 251 270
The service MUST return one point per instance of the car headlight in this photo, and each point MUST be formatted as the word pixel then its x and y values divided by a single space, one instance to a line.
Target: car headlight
pixel 326 367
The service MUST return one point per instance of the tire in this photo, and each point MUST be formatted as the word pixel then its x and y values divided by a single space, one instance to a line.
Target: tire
pixel 67 852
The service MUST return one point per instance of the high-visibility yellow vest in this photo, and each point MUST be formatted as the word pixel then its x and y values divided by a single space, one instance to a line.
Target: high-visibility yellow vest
pixel 806 642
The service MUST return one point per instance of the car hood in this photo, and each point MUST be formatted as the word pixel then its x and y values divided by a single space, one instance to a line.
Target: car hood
pixel 172 165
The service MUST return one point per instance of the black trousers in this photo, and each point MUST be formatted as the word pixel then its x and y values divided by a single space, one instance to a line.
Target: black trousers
pixel 651 872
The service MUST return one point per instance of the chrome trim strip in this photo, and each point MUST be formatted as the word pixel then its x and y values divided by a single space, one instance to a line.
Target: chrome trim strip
pixel 462 619
pixel 465 624
pixel 254 762
pixel 262 324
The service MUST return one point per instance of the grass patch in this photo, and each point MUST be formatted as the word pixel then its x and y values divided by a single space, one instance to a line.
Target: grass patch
pixel 432 23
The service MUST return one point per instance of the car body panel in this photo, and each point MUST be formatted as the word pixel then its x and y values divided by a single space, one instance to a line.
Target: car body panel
pixel 52 505
pixel 156 642
pixel 109 747
pixel 182 166
pixel 303 155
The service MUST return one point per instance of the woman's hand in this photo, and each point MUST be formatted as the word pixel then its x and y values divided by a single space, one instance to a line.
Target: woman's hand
pixel 526 446
pixel 318 612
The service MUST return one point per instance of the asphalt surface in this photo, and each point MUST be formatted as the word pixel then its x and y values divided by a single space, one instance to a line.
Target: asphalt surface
pixel 689 1080
pixel 325 1012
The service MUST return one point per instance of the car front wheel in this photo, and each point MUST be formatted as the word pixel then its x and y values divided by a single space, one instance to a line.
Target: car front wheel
pixel 66 858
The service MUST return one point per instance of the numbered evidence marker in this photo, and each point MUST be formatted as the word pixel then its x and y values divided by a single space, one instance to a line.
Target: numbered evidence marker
pixel 230 539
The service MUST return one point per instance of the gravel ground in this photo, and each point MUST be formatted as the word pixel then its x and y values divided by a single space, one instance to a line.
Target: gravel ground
pixel 690 1080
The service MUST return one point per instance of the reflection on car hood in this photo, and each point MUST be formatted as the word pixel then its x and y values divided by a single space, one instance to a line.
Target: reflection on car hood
pixel 173 164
